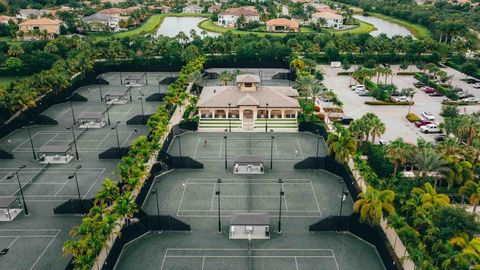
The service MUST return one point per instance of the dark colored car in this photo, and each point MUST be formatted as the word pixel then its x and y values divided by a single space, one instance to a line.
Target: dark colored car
pixel 440 138
pixel 429 90
pixel 436 94
pixel 471 80
pixel 422 123
pixel 419 84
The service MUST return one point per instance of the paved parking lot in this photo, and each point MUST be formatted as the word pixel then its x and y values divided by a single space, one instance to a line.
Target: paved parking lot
pixel 394 116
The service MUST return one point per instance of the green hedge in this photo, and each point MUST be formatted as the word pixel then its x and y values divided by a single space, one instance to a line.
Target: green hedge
pixel 403 73
pixel 459 103
pixel 411 117
pixel 443 90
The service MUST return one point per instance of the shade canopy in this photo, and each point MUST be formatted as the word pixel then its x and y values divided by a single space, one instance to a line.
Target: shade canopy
pixel 249 160
pixel 249 219
pixel 6 201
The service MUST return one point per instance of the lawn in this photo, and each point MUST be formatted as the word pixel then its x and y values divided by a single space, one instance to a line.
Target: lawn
pixel 208 25
pixel 418 31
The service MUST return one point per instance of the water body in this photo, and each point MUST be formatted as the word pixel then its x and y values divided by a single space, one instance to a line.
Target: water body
pixel 384 27
pixel 171 26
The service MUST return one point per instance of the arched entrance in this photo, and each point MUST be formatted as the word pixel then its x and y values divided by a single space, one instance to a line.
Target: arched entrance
pixel 248 123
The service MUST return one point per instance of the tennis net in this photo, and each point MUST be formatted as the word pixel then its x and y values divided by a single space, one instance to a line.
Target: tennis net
pixel 33 179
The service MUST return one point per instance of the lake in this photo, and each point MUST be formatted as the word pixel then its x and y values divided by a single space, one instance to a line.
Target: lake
pixel 171 26
pixel 384 27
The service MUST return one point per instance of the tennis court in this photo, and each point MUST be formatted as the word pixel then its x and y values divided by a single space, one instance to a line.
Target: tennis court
pixel 88 140
pixel 49 181
pixel 211 146
pixel 26 248
pixel 239 259
pixel 259 195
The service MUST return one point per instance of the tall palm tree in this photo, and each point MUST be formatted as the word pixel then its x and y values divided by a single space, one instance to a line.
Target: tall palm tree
pixel 409 92
pixel 357 129
pixel 196 78
pixel 304 85
pixel 398 153
pixel 468 256
pixel 341 145
pixel 430 198
pixel 428 161
pixel 472 190
pixel 225 77
pixel 297 65
pixel 372 203
pixel 378 128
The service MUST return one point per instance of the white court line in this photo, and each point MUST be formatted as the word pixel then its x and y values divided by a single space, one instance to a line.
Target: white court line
pixel 203 263
pixel 41 255
pixel 181 199
pixel 56 193
pixel 94 183
pixel 126 114
pixel 315 195
pixel 335 258
pixel 213 196
pixel 125 141
pixel 220 149
pixel 101 142
pixel 296 263
pixel 27 140
pixel 13 242
pixel 285 198
pixel 276 148
pixel 300 148
pixel 196 148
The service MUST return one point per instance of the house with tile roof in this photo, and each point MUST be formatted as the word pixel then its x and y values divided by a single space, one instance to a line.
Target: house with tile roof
pixel 230 16
pixel 43 28
pixel 102 22
pixel 6 19
pixel 28 13
pixel 330 18
pixel 282 25
pixel 248 106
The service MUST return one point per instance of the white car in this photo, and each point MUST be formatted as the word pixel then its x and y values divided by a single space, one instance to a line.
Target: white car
pixel 428 116
pixel 400 99
pixel 471 100
pixel 477 85
pixel 358 87
pixel 430 128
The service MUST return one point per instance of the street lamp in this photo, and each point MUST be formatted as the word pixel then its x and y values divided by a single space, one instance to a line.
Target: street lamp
pixel 118 140
pixel 31 141
pixel 100 88
pixel 20 186
pixel 318 145
pixel 271 153
pixel 282 193
pixel 155 191
pixel 108 111
pixel 74 176
pixel 146 78
pixel 219 181
pixel 266 119
pixel 225 138
pixel 121 79
pixel 343 197
pixel 130 92
pixel 71 108
pixel 143 112
pixel 74 141
pixel 229 118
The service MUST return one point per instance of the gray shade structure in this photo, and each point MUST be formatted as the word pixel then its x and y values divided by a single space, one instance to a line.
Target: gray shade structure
pixel 56 154
pixel 117 96
pixel 249 225
pixel 91 120
pixel 249 160
pixel 7 211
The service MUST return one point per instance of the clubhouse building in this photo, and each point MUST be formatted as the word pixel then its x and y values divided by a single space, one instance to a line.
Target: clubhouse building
pixel 248 106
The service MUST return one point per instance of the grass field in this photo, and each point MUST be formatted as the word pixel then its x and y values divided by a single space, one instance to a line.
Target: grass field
pixel 418 31
pixel 208 25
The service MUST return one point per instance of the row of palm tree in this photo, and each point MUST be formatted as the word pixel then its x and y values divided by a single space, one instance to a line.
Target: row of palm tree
pixel 369 126
pixel 115 204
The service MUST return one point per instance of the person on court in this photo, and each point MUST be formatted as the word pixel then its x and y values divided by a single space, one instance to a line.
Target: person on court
pixel 205 143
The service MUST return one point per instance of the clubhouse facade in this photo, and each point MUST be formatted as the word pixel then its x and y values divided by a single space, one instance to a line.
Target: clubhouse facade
pixel 248 106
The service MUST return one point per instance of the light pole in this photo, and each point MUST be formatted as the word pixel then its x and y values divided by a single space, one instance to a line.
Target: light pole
pixel 225 138
pixel 271 153
pixel 146 78
pixel 266 119
pixel 155 191
pixel 100 88
pixel 219 181
pixel 343 197
pixel 108 112
pixel 118 140
pixel 318 145
pixel 74 141
pixel 229 118
pixel 74 176
pixel 31 142
pixel 159 90
pixel 130 93
pixel 282 193
pixel 71 108
pixel 20 186
pixel 143 112
pixel 121 79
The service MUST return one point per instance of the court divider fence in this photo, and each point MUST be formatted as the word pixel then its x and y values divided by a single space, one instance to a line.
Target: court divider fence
pixel 114 153
pixel 74 206
pixel 313 128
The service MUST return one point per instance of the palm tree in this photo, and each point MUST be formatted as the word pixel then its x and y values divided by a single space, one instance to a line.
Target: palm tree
pixel 471 189
pixel 197 79
pixel 428 162
pixel 409 92
pixel 297 65
pixel 398 153
pixel 468 256
pixel 430 198
pixel 225 77
pixel 109 192
pixel 15 50
pixel 125 206
pixel 378 128
pixel 304 85
pixel 341 145
pixel 372 203
pixel 357 129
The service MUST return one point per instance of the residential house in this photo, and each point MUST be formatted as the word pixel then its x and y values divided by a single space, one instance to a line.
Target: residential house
pixel 248 106
pixel 317 6
pixel 43 28
pixel 230 16
pixel 330 19
pixel 192 9
pixel 119 11
pixel 214 8
pixel 6 19
pixel 282 25
pixel 25 14
pixel 101 22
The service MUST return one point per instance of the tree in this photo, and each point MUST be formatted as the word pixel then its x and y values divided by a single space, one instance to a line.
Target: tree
pixel 304 84
pixel 430 198
pixel 14 63
pixel 449 111
pixel 468 256
pixel 468 68
pixel 409 92
pixel 378 128
pixel 15 50
pixel 398 152
pixel 346 66
pixel 196 78
pixel 225 77
pixel 372 203
pixel 428 162
pixel 297 65
pixel 341 145
pixel 472 190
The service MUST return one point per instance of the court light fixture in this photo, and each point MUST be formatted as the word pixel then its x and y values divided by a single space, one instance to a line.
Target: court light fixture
pixel 10 176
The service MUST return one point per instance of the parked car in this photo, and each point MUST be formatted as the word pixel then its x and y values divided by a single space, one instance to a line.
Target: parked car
pixel 436 94
pixel 359 87
pixel 419 84
pixel 423 123
pixel 471 100
pixel 400 99
pixel 428 116
pixel 476 85
pixel 365 94
pixel 472 81
pixel 430 128
pixel 464 95
pixel 440 137
pixel 428 90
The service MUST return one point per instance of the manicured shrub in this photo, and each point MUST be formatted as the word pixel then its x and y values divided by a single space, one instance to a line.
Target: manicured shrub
pixel 411 117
